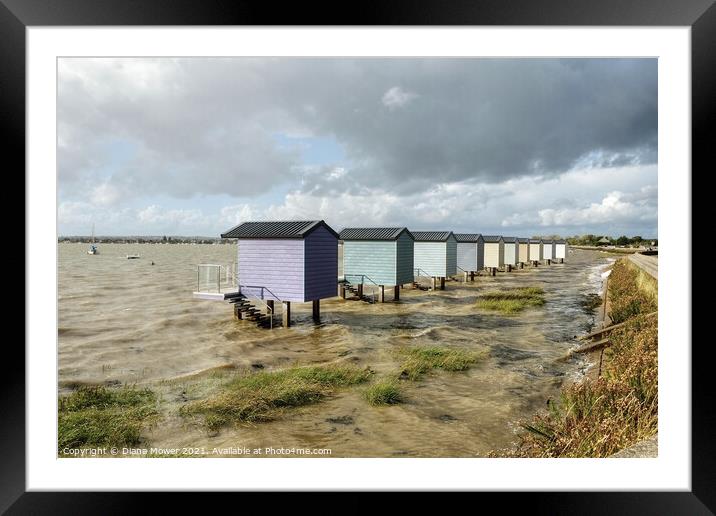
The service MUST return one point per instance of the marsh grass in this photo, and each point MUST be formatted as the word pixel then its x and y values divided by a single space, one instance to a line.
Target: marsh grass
pixel 262 396
pixel 599 417
pixel 98 416
pixel 511 301
pixel 631 292
pixel 419 360
pixel 383 392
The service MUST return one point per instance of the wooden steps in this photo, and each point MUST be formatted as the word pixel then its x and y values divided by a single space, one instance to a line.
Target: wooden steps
pixel 354 290
pixel 248 311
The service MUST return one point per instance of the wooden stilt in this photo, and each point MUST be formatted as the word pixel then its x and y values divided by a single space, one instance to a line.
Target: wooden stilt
pixel 472 275
pixel 381 293
pixel 360 290
pixel 317 310
pixel 342 291
pixel 396 293
pixel 286 315
pixel 442 283
pixel 508 267
pixel 434 282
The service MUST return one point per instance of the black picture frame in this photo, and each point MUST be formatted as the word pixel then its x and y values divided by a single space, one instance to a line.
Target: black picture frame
pixel 700 15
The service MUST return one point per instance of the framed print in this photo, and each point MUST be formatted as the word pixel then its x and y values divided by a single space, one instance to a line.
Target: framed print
pixel 414 250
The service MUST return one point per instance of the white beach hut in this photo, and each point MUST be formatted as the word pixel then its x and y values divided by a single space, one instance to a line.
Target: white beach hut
pixel 548 251
pixel 560 250
pixel 470 253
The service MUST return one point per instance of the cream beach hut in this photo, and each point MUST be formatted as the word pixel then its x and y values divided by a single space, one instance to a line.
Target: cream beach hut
pixel 535 251
pixel 523 251
pixel 510 252
pixel 494 253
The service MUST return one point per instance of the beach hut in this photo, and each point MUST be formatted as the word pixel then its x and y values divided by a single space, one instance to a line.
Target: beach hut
pixel 287 261
pixel 435 255
pixel 510 252
pixel 535 251
pixel 560 250
pixel 470 253
pixel 548 251
pixel 377 256
pixel 494 253
pixel 523 251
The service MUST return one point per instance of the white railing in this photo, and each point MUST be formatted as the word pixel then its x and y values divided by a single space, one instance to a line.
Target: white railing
pixel 214 277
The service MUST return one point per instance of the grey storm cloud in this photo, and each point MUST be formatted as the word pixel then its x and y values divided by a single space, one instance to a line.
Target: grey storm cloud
pixel 183 127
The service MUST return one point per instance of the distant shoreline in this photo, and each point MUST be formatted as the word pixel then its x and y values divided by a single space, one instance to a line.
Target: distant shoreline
pixel 144 240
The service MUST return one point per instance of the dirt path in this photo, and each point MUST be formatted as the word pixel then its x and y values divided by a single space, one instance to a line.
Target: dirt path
pixel 647 263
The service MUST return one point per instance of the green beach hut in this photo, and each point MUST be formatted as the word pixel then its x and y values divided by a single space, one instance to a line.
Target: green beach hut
pixel 378 257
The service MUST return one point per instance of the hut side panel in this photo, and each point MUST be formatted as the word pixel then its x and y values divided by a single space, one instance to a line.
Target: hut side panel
pixel 480 255
pixel 405 260
pixel 321 265
pixel 275 264
pixel 430 257
pixel 467 256
pixel 375 259
pixel 451 257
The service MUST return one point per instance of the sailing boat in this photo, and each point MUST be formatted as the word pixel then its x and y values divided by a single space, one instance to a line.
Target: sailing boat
pixel 93 248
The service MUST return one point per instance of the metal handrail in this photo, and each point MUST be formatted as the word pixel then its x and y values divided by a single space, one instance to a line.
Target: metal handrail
pixel 363 277
pixel 269 310
pixel 418 269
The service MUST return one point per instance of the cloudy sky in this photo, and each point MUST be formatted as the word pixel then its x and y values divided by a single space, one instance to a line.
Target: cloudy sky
pixel 506 146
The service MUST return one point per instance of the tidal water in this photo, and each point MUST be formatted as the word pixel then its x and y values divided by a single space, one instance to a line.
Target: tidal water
pixel 130 322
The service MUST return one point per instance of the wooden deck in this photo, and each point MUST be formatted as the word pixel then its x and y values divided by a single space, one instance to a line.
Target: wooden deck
pixel 214 296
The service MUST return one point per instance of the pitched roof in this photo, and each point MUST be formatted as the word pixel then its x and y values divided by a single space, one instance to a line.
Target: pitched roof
pixel 492 238
pixel 560 241
pixel 372 233
pixel 431 236
pixel 509 240
pixel 535 240
pixel 468 237
pixel 523 240
pixel 276 229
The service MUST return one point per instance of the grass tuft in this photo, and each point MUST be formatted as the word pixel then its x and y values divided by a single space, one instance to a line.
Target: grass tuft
pixel 383 392
pixel 261 396
pixel 419 360
pixel 101 417
pixel 511 301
